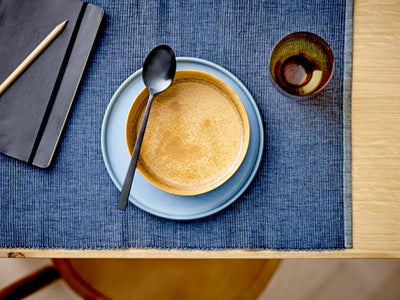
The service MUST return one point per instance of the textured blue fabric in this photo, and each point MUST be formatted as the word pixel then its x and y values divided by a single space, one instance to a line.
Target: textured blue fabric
pixel 296 199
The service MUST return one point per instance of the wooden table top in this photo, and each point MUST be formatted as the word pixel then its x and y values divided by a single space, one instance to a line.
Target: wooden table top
pixel 376 151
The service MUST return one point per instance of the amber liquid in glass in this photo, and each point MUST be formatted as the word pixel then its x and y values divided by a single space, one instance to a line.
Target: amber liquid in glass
pixel 301 64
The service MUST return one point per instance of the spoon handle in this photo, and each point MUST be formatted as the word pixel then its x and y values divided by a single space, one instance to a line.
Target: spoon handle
pixel 126 187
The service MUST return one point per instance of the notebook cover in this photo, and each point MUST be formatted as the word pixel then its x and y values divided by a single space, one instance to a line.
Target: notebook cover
pixel 28 104
pixel 79 56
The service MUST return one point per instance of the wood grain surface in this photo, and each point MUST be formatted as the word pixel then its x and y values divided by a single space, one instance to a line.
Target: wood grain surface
pixel 167 278
pixel 376 151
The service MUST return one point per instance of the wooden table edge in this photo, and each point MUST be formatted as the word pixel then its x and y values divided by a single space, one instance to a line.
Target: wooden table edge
pixel 201 254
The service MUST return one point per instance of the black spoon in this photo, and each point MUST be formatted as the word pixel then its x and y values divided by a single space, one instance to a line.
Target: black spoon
pixel 158 73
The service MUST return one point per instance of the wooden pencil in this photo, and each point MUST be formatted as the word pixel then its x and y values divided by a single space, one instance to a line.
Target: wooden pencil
pixel 31 57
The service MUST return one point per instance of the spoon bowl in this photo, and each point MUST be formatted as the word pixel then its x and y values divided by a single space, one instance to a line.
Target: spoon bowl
pixel 159 69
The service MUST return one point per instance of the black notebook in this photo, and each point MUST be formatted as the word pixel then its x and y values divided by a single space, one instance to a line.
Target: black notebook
pixel 33 110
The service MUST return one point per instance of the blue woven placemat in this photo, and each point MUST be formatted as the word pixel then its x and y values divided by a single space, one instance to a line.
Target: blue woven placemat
pixel 301 197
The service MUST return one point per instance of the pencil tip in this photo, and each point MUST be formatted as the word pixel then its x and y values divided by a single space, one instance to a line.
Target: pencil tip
pixel 62 25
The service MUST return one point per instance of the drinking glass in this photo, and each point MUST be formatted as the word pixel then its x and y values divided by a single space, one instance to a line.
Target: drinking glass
pixel 301 64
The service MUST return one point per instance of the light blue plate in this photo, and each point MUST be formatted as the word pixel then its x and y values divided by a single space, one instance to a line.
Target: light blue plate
pixel 151 199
